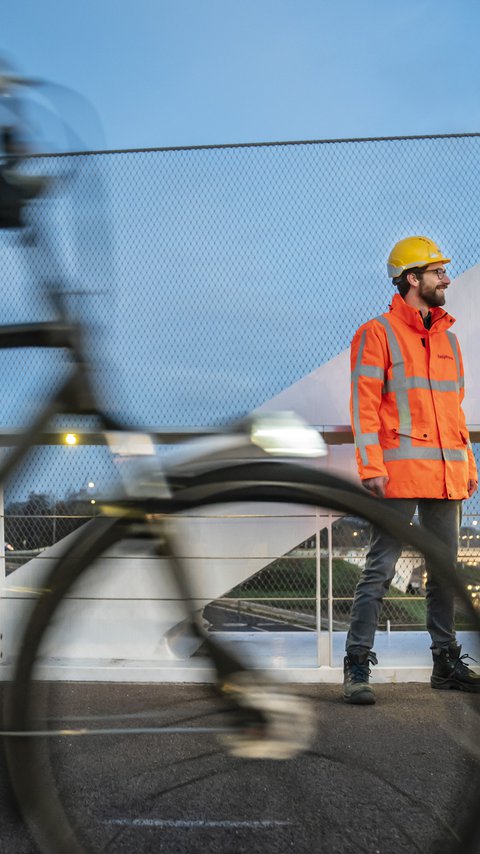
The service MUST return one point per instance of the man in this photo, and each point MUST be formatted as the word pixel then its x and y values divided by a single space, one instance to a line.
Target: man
pixel 413 447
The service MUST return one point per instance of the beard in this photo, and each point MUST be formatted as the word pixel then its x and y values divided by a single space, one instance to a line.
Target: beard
pixel 432 296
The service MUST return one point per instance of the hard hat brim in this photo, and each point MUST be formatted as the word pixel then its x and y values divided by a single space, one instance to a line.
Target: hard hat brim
pixel 393 272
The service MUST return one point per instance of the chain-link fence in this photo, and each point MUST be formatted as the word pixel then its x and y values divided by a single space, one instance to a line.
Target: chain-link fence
pixel 211 279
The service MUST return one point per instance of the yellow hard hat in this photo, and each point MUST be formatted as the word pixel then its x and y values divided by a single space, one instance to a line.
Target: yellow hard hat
pixel 413 252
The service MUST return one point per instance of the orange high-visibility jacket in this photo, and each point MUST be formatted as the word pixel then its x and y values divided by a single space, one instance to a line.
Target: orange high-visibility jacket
pixel 406 405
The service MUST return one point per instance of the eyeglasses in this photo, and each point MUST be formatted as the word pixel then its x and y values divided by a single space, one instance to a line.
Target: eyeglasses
pixel 440 271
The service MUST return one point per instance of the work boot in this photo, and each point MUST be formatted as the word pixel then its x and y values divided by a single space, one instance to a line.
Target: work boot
pixel 356 673
pixel 450 670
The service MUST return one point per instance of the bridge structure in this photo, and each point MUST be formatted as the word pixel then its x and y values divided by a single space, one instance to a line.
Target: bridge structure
pixel 127 625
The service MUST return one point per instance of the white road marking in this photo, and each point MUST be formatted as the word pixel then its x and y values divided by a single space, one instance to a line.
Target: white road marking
pixel 236 625
pixel 160 822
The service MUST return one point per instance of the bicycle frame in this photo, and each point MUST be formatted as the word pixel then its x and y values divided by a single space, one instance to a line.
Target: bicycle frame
pixel 75 396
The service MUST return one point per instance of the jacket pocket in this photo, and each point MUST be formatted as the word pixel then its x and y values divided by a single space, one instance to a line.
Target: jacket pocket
pixel 420 434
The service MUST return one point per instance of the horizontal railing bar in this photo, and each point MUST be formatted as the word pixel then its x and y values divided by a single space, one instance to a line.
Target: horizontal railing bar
pixel 333 435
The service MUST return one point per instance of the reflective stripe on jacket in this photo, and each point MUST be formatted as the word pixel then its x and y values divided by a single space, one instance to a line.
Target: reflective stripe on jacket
pixel 407 417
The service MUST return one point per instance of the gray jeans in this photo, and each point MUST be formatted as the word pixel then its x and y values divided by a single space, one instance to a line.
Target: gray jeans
pixel 442 517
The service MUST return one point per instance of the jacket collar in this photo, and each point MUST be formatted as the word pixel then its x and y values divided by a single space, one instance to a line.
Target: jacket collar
pixel 441 320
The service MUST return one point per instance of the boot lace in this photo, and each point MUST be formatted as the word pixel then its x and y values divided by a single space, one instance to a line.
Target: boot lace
pixel 460 662
pixel 360 672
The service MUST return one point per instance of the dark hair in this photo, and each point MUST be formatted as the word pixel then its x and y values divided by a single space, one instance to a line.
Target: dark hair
pixel 401 282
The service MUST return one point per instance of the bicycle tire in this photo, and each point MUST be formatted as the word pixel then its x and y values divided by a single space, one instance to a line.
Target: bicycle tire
pixel 28 760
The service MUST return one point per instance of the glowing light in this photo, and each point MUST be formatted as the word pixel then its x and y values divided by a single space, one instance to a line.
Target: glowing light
pixel 92 501
pixel 71 439
pixel 287 434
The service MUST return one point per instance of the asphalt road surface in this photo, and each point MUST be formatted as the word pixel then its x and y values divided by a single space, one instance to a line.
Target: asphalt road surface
pixel 393 778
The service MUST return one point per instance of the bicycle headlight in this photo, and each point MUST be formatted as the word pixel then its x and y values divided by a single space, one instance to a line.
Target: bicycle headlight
pixel 286 434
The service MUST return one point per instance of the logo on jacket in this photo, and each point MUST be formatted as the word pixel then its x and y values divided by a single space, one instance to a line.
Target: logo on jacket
pixel 441 356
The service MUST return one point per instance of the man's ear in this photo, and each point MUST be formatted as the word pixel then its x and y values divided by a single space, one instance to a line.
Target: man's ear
pixel 412 279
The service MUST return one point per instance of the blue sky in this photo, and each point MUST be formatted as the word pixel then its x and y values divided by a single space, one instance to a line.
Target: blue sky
pixel 192 72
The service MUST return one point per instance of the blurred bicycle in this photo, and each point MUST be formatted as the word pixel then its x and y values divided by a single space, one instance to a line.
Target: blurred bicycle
pixel 49 724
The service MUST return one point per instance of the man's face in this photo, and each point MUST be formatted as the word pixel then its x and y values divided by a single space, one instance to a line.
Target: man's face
pixel 433 283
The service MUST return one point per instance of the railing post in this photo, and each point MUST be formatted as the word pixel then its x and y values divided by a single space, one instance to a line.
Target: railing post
pixel 318 587
pixel 330 591
pixel 3 573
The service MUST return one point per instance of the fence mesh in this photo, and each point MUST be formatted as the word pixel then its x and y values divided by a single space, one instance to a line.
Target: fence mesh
pixel 283 595
pixel 211 279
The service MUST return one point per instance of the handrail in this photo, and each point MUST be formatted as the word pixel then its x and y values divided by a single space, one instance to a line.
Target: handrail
pixel 163 435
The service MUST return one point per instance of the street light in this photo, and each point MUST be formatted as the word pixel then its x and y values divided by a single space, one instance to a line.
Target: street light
pixel 91 486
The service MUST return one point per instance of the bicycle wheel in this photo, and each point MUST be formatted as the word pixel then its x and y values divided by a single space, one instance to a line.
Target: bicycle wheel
pixel 62 744
pixel 51 766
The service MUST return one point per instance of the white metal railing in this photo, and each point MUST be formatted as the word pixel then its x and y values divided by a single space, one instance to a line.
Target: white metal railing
pixel 233 560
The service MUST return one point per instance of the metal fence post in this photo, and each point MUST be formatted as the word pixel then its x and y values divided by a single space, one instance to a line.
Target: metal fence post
pixel 318 589
pixel 3 574
pixel 330 591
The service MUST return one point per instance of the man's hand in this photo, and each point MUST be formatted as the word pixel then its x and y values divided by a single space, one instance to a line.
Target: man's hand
pixel 472 487
pixel 377 485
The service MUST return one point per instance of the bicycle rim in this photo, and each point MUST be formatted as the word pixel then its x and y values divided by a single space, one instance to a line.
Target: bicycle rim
pixel 60 742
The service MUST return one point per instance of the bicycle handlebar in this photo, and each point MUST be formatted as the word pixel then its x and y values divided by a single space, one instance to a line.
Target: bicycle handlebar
pixel 48 334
